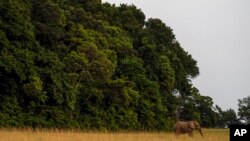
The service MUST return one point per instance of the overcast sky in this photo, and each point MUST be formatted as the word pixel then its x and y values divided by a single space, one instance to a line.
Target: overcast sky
pixel 217 34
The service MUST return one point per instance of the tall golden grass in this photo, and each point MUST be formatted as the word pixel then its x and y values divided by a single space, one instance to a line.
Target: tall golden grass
pixel 49 135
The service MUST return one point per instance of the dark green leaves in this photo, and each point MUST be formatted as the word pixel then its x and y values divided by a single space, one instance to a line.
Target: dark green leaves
pixel 84 64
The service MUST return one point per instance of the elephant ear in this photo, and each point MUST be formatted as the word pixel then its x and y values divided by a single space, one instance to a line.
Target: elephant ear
pixel 191 125
pixel 196 124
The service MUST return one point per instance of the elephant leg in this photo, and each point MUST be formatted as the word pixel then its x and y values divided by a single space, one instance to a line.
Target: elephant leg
pixel 177 133
pixel 190 133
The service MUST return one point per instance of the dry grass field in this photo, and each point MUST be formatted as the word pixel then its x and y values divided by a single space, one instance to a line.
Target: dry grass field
pixel 28 135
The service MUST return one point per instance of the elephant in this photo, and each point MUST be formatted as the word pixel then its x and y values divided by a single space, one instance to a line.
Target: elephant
pixel 182 127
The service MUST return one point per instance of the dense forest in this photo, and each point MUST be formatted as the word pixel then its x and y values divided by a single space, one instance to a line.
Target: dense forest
pixel 85 64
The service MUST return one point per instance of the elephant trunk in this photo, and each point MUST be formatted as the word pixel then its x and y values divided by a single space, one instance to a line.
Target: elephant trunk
pixel 200 132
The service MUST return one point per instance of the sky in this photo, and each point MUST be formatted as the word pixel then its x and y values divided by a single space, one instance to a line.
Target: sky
pixel 217 35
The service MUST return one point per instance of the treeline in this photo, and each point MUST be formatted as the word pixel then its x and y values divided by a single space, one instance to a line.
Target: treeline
pixel 90 65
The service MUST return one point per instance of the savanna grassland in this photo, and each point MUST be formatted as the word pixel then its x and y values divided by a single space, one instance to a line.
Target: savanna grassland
pixel 43 135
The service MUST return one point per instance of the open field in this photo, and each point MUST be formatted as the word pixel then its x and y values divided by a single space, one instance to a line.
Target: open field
pixel 28 135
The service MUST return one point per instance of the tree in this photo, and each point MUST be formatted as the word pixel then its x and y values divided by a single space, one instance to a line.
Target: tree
pixel 225 118
pixel 88 65
pixel 198 107
pixel 47 19
pixel 244 109
pixel 230 117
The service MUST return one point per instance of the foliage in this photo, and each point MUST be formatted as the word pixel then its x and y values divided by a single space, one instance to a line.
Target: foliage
pixel 244 109
pixel 226 118
pixel 198 107
pixel 91 65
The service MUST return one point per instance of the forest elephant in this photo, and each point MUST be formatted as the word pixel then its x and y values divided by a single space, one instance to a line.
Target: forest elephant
pixel 183 127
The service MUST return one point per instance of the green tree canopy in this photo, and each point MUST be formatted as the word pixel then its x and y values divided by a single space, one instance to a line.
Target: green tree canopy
pixel 90 65
pixel 244 109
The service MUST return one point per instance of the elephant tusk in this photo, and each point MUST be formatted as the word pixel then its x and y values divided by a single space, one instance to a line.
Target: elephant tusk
pixel 201 133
